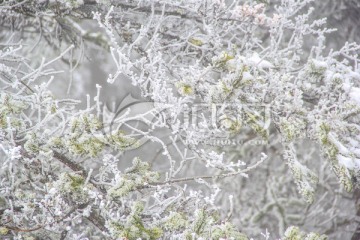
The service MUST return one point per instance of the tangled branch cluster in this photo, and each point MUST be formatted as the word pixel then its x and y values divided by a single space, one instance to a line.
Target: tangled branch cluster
pixel 211 71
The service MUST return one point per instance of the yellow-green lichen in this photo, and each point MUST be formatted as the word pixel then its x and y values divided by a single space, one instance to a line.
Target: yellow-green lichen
pixel 4 230
pixel 196 42
pixel 294 233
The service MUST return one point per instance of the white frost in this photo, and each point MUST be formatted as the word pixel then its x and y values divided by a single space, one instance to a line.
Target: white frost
pixel 346 161
pixel 256 61
pixel 354 92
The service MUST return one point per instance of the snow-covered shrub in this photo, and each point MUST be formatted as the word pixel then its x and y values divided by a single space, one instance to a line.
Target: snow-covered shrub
pixel 244 107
